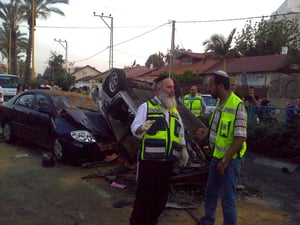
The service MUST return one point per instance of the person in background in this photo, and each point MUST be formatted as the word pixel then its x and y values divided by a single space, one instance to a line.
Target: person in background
pixel 1 96
pixel 27 87
pixel 233 88
pixel 85 90
pixel 54 86
pixel 74 89
pixel 159 126
pixel 292 112
pixel 194 102
pixel 20 88
pixel 45 85
pixel 64 87
pixel 95 94
pixel 227 141
pixel 251 101
pixel 263 112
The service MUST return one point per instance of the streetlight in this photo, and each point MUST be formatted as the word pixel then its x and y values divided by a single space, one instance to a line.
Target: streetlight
pixel 111 53
pixel 65 46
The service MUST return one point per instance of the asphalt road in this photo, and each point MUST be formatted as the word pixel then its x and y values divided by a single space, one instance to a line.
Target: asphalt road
pixel 34 195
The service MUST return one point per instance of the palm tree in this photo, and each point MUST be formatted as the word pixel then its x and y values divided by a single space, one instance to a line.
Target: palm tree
pixel 42 9
pixel 219 48
pixel 10 14
pixel 21 42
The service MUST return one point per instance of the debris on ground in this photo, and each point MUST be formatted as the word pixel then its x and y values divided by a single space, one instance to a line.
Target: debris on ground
pixel 118 185
pixel 22 155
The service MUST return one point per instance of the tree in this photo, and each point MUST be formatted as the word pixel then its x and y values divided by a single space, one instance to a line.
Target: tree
pixel 11 15
pixel 187 78
pixel 21 43
pixel 268 37
pixel 56 72
pixel 219 48
pixel 155 60
pixel 177 52
pixel 42 9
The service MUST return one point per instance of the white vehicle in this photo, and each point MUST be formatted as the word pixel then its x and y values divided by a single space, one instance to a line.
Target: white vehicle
pixel 210 103
pixel 9 85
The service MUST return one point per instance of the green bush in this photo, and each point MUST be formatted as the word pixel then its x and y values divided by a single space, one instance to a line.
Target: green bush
pixel 274 139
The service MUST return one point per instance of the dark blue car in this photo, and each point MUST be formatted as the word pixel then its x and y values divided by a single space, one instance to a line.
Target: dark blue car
pixel 69 124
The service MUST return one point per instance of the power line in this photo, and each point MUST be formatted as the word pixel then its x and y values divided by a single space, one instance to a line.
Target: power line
pixel 235 19
pixel 81 60
pixel 187 21
pixel 138 36
pixel 127 53
pixel 147 32
pixel 199 21
pixel 128 40
pixel 86 27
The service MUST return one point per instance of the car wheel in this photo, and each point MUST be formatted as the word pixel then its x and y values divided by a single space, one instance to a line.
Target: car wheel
pixel 114 82
pixel 7 132
pixel 58 151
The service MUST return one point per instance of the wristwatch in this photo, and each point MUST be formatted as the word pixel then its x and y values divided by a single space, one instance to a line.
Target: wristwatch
pixel 224 160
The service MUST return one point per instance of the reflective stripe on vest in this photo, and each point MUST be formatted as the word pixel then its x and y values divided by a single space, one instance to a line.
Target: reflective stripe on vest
pixel 158 142
pixel 225 130
pixel 194 106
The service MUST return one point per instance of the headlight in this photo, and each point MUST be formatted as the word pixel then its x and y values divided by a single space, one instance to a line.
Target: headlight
pixel 83 136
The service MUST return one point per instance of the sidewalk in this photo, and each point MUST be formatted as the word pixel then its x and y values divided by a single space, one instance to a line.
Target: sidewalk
pixel 277 183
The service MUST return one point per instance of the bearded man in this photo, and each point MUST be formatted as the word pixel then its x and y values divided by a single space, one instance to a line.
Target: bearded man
pixel 159 126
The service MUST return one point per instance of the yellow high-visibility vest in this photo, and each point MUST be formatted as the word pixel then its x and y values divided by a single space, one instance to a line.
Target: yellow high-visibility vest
pixel 195 106
pixel 225 129
pixel 160 140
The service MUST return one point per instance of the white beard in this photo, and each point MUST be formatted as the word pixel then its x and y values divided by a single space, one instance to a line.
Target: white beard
pixel 167 102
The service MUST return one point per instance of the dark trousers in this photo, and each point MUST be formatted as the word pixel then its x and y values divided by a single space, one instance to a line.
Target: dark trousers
pixel 153 186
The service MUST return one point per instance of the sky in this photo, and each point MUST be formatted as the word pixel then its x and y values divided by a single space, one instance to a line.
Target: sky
pixel 140 28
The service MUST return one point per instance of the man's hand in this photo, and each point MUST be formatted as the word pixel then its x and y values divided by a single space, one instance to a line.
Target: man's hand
pixel 201 133
pixel 185 157
pixel 221 166
pixel 146 126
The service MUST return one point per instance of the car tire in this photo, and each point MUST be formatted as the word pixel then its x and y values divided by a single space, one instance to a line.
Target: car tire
pixel 116 81
pixel 7 132
pixel 58 151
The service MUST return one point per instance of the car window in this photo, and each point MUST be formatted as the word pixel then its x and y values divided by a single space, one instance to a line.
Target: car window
pixel 40 101
pixel 210 101
pixel 25 100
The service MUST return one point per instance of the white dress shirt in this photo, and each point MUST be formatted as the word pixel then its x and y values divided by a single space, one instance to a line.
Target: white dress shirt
pixel 140 119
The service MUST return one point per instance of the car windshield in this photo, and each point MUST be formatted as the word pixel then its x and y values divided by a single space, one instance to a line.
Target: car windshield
pixel 210 101
pixel 64 99
pixel 7 81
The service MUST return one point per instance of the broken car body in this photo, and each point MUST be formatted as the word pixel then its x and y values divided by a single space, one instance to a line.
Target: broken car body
pixel 68 124
pixel 120 99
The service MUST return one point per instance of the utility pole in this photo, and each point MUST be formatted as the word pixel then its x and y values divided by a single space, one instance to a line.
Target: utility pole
pixel 111 52
pixel 172 50
pixel 64 44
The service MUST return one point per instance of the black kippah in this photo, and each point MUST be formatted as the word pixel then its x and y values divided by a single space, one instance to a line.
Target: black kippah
pixel 160 78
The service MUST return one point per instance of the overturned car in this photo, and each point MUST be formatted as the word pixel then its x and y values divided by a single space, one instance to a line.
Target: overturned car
pixel 120 99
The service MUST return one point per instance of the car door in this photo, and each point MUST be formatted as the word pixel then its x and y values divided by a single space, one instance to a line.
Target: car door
pixel 40 120
pixel 19 115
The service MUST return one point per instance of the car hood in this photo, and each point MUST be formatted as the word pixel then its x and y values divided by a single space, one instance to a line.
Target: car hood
pixel 92 121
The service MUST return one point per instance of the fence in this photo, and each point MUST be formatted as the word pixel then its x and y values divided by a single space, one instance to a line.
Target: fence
pixel 273 113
